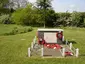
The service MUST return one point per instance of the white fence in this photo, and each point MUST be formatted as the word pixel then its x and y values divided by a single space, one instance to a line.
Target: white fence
pixel 29 52
pixel 73 50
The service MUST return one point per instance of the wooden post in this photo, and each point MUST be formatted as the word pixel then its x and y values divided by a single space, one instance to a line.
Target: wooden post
pixel 70 46
pixel 42 52
pixel 63 52
pixel 77 52
pixel 28 52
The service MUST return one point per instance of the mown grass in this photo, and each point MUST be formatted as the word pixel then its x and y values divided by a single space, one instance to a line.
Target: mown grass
pixel 13 48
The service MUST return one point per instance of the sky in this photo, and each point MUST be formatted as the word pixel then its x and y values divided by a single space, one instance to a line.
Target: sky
pixel 67 5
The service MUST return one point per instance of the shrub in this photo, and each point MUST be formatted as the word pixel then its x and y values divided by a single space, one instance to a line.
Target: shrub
pixel 16 30
pixel 4 19
pixel 25 30
pixel 30 29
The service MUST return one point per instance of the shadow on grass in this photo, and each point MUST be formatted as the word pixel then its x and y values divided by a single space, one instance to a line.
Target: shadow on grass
pixel 68 42
pixel 73 42
pixel 82 55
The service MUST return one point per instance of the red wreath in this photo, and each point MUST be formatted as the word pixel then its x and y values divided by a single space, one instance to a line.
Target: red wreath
pixel 59 35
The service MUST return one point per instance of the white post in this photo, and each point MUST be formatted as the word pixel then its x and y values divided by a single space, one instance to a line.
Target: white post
pixel 35 37
pixel 77 52
pixel 42 52
pixel 63 52
pixel 28 52
pixel 66 42
pixel 34 41
pixel 70 46
pixel 32 45
pixel 63 38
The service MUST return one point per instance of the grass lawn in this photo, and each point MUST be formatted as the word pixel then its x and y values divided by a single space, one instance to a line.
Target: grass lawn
pixel 13 48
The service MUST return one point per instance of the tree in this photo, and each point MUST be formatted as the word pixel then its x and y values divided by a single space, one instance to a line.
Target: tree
pixel 50 18
pixel 82 21
pixel 2 5
pixel 22 15
pixel 17 4
pixel 44 5
pixel 26 16
pixel 63 19
pixel 76 17
pixel 3 2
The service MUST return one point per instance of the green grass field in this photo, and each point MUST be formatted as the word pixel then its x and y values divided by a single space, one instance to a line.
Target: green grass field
pixel 13 48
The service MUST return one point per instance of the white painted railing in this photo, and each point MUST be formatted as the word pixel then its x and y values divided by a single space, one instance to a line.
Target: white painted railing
pixel 42 52
pixel 63 38
pixel 66 42
pixel 63 52
pixel 32 45
pixel 77 52
pixel 34 41
pixel 73 50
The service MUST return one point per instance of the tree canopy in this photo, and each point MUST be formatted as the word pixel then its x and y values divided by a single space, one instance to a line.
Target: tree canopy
pixel 44 6
pixel 3 2
pixel 39 14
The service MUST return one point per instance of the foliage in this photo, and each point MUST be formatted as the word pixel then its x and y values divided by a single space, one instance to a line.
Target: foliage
pixel 50 18
pixel 44 6
pixel 16 4
pixel 3 2
pixel 4 19
pixel 70 19
pixel 3 5
pixel 22 16
pixel 17 30
pixel 26 16
pixel 4 11
pixel 34 16
pixel 39 15
pixel 75 18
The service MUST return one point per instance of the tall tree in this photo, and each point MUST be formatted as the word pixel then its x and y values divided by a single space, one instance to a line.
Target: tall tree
pixel 3 5
pixel 17 4
pixel 44 5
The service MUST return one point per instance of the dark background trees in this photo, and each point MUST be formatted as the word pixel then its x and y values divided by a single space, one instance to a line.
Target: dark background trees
pixel 41 14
